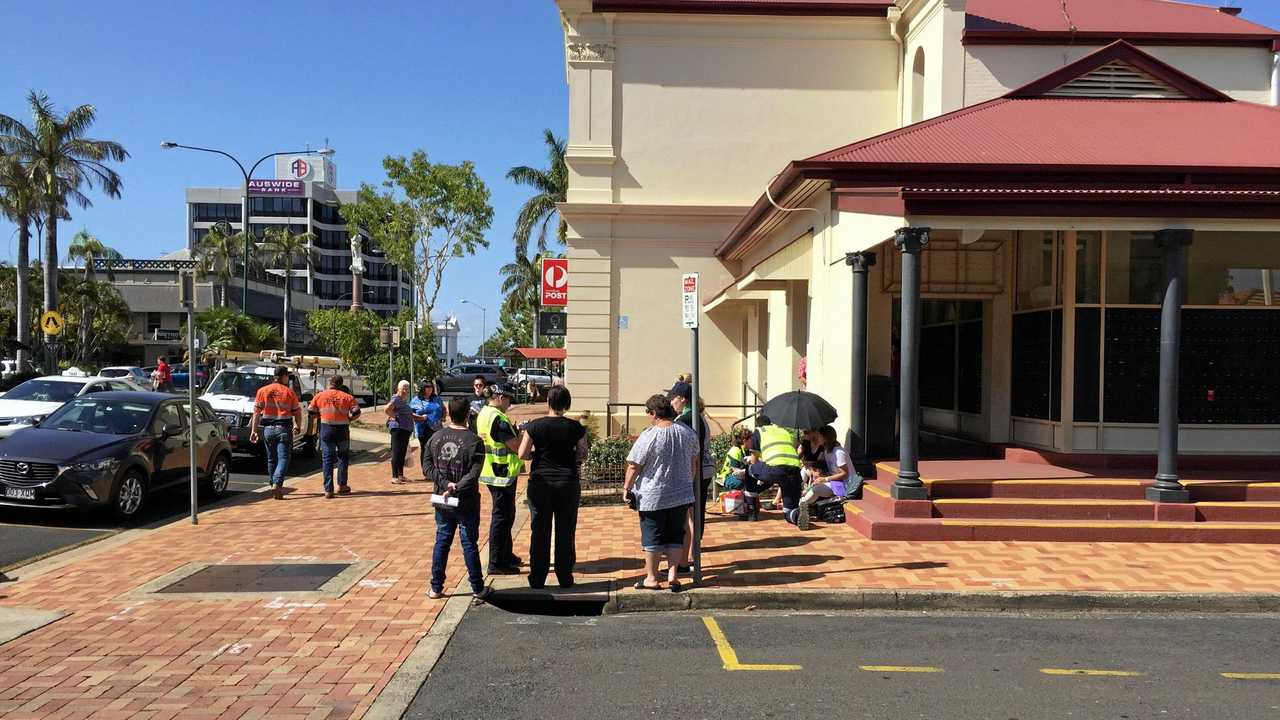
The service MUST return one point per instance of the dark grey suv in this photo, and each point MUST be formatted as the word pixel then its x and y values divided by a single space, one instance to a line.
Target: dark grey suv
pixel 112 450
pixel 457 380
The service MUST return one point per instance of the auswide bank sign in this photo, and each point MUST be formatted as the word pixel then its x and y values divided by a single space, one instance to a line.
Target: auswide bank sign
pixel 288 188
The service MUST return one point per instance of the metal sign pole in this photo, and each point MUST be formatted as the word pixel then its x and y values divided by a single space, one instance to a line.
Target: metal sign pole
pixel 187 291
pixel 697 480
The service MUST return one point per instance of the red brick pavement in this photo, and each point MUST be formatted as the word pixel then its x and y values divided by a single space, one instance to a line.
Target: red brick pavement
pixel 115 657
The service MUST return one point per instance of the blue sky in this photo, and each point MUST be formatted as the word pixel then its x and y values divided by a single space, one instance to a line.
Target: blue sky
pixel 459 78
pixel 251 78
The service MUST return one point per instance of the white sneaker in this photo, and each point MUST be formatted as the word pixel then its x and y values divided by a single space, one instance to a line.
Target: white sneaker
pixel 802 517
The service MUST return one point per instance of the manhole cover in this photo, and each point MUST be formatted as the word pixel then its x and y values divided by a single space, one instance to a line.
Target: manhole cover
pixel 285 577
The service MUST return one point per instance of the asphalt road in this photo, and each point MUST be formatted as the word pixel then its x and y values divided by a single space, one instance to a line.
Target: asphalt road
pixel 854 666
pixel 30 535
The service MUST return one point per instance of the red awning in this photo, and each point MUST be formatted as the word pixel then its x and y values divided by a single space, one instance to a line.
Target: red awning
pixel 542 353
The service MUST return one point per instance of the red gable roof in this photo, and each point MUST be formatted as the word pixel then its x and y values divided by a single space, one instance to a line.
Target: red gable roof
pixel 1151 21
pixel 1029 137
pixel 876 8
pixel 543 353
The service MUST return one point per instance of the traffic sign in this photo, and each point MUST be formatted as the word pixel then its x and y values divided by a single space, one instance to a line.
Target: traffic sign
pixel 555 282
pixel 51 323
pixel 389 336
pixel 689 300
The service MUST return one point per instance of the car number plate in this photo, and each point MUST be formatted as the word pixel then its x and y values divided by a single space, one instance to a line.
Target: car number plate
pixel 20 493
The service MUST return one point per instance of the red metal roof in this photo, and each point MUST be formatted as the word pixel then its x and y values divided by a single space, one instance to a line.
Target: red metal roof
pixel 748 7
pixel 543 353
pixel 1147 20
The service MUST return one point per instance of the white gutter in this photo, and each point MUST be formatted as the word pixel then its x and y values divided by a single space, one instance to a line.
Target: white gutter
pixel 1275 76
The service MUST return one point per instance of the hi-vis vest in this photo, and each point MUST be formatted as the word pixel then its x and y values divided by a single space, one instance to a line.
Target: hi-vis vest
pixel 778 447
pixel 736 459
pixel 496 455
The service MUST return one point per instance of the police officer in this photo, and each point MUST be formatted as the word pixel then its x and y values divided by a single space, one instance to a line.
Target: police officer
pixel 502 465
pixel 777 462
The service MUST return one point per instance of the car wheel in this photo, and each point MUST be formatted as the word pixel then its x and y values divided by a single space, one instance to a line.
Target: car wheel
pixel 219 477
pixel 129 495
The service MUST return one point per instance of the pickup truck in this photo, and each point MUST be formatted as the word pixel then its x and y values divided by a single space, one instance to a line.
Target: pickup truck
pixel 231 396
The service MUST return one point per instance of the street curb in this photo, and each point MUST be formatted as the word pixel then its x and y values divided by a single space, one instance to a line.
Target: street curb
pixel 632 601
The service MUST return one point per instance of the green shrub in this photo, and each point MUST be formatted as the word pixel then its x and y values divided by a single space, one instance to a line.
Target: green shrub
pixel 720 445
pixel 607 459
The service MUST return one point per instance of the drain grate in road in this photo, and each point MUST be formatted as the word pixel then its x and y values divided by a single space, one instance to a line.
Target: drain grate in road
pixel 265 578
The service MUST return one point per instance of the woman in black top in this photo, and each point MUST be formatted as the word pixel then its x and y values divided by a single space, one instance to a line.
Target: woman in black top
pixel 556 444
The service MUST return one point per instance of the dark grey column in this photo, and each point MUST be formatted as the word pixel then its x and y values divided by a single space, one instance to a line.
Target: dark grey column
pixel 1167 488
pixel 908 486
pixel 856 442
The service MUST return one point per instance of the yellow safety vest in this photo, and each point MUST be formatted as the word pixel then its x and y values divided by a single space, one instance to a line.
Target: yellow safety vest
pixel 778 447
pixel 496 454
pixel 734 460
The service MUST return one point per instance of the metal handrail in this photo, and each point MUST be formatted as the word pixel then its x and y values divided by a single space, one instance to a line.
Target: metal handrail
pixel 746 388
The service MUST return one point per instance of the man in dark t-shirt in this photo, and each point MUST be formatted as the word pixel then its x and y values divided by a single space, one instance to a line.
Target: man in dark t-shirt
pixel 455 456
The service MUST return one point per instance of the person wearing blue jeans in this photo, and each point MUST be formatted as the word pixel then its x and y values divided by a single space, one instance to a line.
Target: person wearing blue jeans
pixel 276 412
pixel 335 454
pixel 278 440
pixel 455 456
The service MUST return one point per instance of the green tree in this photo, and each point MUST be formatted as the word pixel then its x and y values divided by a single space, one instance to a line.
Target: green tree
pixel 230 329
pixel 57 153
pixel 97 319
pixel 9 289
pixel 429 214
pixel 352 336
pixel 285 249
pixel 19 202
pixel 87 248
pixel 217 253
pixel 552 187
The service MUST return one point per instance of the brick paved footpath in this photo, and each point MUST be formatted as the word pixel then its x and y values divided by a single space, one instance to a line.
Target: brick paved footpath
pixel 113 657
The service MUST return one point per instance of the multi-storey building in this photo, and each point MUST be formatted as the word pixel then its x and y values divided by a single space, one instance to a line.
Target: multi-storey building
pixel 303 196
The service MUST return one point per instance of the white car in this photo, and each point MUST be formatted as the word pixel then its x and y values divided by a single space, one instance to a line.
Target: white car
pixel 538 376
pixel 32 401
pixel 132 372
pixel 231 395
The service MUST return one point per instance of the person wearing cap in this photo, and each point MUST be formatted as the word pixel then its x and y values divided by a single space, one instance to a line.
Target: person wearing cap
pixel 276 410
pixel 427 414
pixel 336 408
pixel 502 466
pixel 681 397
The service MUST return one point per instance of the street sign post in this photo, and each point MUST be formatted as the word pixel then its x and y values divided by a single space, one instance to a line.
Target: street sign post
pixel 187 298
pixel 389 336
pixel 411 332
pixel 690 311
pixel 52 323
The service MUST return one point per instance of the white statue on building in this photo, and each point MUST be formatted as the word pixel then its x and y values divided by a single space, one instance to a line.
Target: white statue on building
pixel 357 258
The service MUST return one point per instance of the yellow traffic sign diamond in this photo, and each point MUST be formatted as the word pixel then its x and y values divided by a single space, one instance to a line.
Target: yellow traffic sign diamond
pixel 51 323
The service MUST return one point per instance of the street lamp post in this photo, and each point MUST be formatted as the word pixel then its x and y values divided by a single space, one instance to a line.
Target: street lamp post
pixel 244 295
pixel 484 332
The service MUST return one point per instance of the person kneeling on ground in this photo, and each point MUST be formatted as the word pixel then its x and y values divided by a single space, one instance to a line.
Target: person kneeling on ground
pixel 455 455
pixel 735 459
pixel 831 485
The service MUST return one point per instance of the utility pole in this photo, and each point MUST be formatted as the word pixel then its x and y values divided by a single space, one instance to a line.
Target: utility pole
pixel 187 298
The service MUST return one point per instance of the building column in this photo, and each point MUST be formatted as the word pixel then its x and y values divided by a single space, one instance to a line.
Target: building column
pixel 1167 488
pixel 910 242
pixel 856 442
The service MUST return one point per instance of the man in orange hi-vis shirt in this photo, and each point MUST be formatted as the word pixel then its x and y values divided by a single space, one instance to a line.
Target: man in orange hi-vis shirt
pixel 336 409
pixel 277 411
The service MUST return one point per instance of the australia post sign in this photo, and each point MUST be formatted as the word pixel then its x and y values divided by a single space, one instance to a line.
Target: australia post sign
pixel 555 282
pixel 287 188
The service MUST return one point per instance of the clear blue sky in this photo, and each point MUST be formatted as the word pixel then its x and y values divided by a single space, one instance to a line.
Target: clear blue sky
pixel 461 79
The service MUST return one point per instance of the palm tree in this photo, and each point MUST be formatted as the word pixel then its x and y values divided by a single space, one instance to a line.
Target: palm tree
pixel 65 161
pixel 18 202
pixel 552 186
pixel 88 248
pixel 282 247
pixel 521 281
pixel 217 253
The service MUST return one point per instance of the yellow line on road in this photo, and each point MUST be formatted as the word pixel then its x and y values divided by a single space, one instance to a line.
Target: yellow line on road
pixel 730 658
pixel 1096 673
pixel 1251 676
pixel 900 668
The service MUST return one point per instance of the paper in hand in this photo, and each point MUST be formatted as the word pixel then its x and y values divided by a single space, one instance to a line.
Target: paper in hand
pixel 442 500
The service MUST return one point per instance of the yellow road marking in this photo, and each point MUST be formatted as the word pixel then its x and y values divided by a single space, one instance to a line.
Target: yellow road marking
pixel 900 668
pixel 730 658
pixel 1097 673
pixel 1251 676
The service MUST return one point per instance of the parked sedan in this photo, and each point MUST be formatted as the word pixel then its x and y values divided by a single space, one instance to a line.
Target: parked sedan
pixel 541 377
pixel 112 450
pixel 458 379
pixel 34 399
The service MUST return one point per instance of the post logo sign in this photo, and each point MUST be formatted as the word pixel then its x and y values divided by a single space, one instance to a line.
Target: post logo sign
pixel 689 300
pixel 299 168
pixel 555 282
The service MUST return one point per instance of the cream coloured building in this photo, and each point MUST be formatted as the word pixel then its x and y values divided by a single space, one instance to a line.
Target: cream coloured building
pixel 701 137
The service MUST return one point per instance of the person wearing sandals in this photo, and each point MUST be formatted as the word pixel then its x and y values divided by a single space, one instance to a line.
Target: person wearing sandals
pixel 660 470
pixel 455 456
pixel 556 445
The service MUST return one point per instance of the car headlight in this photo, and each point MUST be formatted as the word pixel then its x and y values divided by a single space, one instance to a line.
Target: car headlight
pixel 28 420
pixel 94 466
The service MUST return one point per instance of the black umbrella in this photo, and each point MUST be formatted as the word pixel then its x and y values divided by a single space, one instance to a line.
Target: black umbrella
pixel 799 410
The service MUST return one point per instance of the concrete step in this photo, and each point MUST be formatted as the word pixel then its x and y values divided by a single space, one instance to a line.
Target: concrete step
pixel 1041 509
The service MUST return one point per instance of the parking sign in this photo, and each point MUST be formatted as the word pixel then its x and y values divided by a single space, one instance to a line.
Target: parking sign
pixel 689 300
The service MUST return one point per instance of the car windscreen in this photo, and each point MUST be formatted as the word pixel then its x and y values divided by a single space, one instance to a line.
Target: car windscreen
pixel 99 415
pixel 237 383
pixel 44 391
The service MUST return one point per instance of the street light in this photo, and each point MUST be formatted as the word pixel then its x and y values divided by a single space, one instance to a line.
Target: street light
pixel 323 152
pixel 484 317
